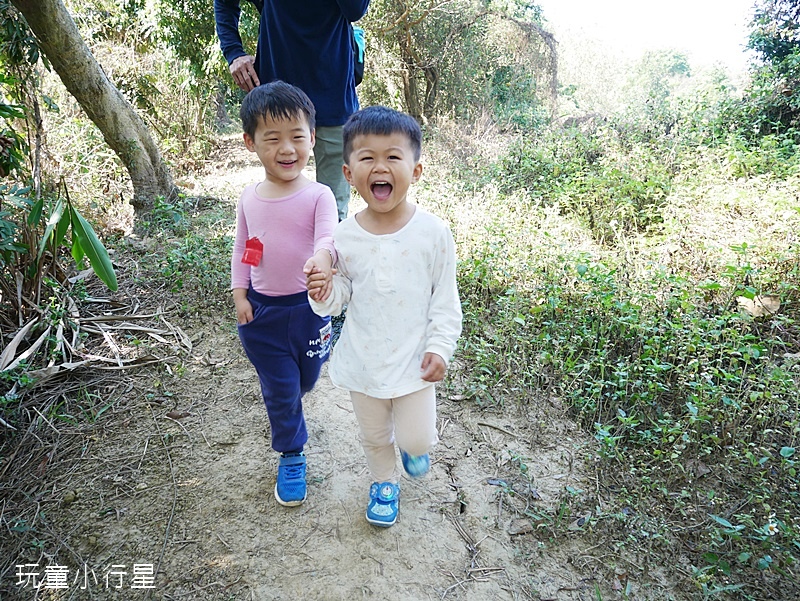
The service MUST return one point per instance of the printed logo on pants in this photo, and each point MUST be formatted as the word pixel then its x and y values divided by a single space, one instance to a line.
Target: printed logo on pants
pixel 323 342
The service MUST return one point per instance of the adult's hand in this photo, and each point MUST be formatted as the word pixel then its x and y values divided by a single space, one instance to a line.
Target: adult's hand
pixel 244 72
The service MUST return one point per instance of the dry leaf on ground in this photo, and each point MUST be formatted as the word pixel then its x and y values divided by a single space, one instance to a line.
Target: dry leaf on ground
pixel 760 306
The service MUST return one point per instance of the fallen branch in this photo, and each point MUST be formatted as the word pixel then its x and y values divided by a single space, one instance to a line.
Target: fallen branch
pixel 95 318
pixel 40 376
pixel 488 425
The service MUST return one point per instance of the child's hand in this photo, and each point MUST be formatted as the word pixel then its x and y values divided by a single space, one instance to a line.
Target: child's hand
pixel 433 368
pixel 319 276
pixel 244 311
pixel 319 285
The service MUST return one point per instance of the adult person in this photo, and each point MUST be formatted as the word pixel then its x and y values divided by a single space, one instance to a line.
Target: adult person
pixel 308 44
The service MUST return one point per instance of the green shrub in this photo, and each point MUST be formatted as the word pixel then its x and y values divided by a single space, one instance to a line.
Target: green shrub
pixel 589 177
pixel 692 402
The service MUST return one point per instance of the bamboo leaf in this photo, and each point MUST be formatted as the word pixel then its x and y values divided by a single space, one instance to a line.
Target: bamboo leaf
pixel 61 229
pixel 8 352
pixel 52 222
pixel 36 212
pixel 77 251
pixel 29 351
pixel 92 247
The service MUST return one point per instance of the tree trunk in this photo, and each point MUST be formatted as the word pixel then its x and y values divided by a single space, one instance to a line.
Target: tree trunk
pixel 411 90
pixel 123 129
pixel 431 90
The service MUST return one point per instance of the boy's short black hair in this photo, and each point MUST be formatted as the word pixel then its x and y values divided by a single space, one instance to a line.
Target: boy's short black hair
pixel 276 100
pixel 381 121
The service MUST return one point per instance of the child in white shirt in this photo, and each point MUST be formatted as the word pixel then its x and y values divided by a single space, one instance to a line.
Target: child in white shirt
pixel 397 277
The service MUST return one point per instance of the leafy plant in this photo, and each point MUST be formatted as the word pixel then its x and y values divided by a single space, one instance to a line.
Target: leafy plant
pixel 692 401
pixel 34 225
pixel 589 178
pixel 29 253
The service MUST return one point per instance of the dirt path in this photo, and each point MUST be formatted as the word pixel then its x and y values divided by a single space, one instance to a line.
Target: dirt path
pixel 229 539
pixel 183 479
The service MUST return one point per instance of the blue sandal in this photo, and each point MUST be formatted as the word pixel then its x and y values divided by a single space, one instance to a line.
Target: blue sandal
pixel 384 504
pixel 416 466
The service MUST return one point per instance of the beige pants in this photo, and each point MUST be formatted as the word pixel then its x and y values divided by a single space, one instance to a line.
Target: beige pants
pixel 409 420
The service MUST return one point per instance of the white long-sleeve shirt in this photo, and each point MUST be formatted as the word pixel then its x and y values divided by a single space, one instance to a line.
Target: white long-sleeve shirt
pixel 402 302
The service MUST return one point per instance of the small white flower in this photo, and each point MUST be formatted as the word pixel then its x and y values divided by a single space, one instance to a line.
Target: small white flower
pixel 771 528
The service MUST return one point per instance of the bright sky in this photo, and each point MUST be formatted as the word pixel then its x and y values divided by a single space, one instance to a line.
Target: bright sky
pixel 709 31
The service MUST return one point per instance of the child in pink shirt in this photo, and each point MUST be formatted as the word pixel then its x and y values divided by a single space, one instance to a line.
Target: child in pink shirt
pixel 280 223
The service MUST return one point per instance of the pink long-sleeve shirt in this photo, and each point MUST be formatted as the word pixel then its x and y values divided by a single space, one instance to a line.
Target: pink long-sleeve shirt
pixel 291 229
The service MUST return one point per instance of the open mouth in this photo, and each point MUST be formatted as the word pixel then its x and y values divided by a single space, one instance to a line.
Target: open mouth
pixel 381 190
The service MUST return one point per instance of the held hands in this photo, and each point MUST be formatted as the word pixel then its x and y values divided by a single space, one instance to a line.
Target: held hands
pixel 319 276
pixel 433 368
pixel 244 73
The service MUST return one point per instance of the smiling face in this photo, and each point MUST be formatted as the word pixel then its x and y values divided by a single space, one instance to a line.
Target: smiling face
pixel 381 168
pixel 283 147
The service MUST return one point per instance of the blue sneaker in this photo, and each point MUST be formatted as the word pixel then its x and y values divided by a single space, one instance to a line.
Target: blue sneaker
pixel 384 503
pixel 290 489
pixel 416 466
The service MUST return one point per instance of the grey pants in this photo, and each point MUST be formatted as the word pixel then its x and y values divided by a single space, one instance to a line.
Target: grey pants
pixel 329 161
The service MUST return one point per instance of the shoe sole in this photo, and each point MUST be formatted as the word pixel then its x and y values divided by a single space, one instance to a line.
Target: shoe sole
pixel 289 503
pixel 381 524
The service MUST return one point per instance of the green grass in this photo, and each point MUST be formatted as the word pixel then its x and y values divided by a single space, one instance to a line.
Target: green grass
pixel 692 402
pixel 190 248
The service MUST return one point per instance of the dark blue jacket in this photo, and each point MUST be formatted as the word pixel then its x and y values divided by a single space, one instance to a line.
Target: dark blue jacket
pixel 305 43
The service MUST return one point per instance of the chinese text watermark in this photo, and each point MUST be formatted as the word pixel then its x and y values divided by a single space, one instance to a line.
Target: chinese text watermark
pixel 117 576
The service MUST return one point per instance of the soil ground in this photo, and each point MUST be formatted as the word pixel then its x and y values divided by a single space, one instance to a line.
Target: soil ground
pixel 180 479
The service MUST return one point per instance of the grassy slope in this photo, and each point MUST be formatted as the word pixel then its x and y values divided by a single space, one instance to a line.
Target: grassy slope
pixel 638 324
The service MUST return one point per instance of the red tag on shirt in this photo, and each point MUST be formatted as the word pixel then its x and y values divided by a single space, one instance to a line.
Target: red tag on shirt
pixel 253 249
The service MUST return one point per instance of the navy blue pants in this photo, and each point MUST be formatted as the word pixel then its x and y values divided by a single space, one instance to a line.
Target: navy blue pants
pixel 287 343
